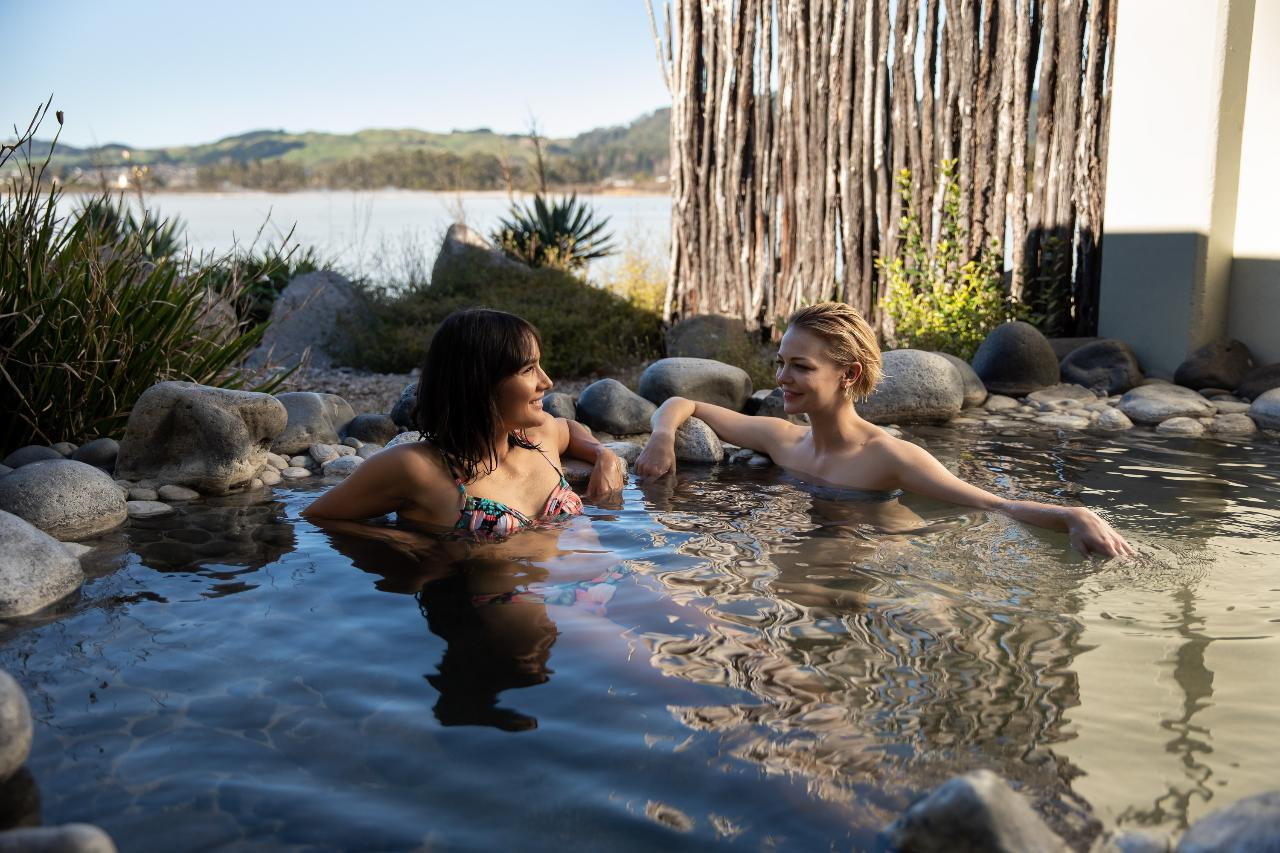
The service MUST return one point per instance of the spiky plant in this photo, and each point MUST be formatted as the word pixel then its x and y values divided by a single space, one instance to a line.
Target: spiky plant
pixel 556 232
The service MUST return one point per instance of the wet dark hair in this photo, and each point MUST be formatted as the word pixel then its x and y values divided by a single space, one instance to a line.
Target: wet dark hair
pixel 472 351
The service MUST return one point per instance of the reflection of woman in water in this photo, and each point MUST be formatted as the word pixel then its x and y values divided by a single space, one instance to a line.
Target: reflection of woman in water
pixel 828 358
pixel 489 460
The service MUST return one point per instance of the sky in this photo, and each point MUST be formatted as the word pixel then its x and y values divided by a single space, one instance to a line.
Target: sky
pixel 151 74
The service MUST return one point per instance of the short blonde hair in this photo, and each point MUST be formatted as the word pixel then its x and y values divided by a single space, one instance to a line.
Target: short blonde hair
pixel 850 340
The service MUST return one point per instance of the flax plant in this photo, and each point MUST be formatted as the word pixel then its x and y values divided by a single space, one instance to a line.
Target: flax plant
pixel 87 323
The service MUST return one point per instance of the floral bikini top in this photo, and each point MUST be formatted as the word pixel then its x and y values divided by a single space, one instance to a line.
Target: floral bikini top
pixel 490 519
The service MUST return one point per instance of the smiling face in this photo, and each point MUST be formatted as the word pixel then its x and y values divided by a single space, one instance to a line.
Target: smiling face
pixel 519 396
pixel 809 378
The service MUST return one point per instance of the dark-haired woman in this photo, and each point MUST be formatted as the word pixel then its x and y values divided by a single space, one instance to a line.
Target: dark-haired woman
pixel 488 464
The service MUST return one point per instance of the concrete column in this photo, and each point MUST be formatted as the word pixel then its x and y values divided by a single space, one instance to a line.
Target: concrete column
pixel 1173 161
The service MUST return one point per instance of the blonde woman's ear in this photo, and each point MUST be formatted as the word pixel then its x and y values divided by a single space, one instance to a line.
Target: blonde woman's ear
pixel 855 373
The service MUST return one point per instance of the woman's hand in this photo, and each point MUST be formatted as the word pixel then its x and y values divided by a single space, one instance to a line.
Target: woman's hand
pixel 608 475
pixel 658 456
pixel 1091 535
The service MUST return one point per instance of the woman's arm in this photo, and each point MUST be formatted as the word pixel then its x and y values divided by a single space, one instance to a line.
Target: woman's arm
pixel 608 471
pixel 383 483
pixel 659 455
pixel 919 472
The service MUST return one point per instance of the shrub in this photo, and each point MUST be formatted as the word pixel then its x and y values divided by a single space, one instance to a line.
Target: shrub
pixel 941 300
pixel 562 234
pixel 87 324
pixel 640 277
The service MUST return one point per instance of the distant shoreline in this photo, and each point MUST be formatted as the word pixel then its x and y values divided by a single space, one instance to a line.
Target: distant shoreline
pixel 646 189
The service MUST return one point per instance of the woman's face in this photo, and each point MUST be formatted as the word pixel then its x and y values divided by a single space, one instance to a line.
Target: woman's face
pixel 519 396
pixel 810 380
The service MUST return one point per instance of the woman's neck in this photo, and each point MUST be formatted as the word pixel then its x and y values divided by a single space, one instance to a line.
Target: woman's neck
pixel 836 428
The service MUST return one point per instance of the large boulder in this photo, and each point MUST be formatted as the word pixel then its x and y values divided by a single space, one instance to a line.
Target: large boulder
pixel 975 393
pixel 402 411
pixel 915 387
pixel 211 439
pixel 701 379
pixel 1015 359
pixel 466 249
pixel 64 498
pixel 1152 404
pixel 1221 363
pixel 1265 411
pixel 1107 366
pixel 15 726
pixel 31 453
pixel 1258 381
pixel 35 571
pixel 559 405
pixel 312 418
pixel 974 813
pixel 722 338
pixel 375 428
pixel 1063 347
pixel 1251 825
pixel 307 319
pixel 612 407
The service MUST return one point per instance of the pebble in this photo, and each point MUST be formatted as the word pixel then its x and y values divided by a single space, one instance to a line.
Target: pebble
pixel 295 472
pixel 4 469
pixel 76 549
pixel 345 450
pixel 1233 424
pixel 256 483
pixel 342 466
pixel 353 442
pixel 1230 407
pixel 277 461
pixel 15 725
pixel 176 493
pixel 743 455
pixel 1063 421
pixel 270 476
pixel 368 450
pixel 138 493
pixel 322 453
pixel 148 509
pixel 759 460
pixel 66 448
pixel 296 462
pixel 1188 427
pixel 1000 403
pixel 1112 419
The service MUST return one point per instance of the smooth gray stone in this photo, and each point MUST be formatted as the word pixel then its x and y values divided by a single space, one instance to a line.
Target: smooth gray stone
pixel 1251 825
pixel 173 492
pixel 5 469
pixel 1265 411
pixel 149 509
pixel 138 493
pixel 101 452
pixel 402 411
pixel 1158 402
pixel 323 453
pixel 277 461
pixel 628 451
pixel 30 453
pixel 345 450
pixel 697 442
pixel 1062 392
pixel 76 549
pixel 368 450
pixel 1015 359
pixel 1221 363
pixel 342 466
pixel 404 438
pixel 35 569
pixel 701 379
pixel 375 428
pixel 1108 366
pixel 915 387
pixel 612 407
pixel 1063 347
pixel 1112 419
pixel 311 314
pixel 1062 421
pixel 1259 381
pixel 1000 403
pixel 16 727
pixel 294 473
pixel 64 498
pixel 270 476
pixel 67 838
pixel 975 393
pixel 355 443
pixel 1186 427
pixel 66 448
pixel 211 439
pixel 974 813
pixel 311 418
pixel 559 405
pixel 1134 841
pixel 1233 424
pixel 297 462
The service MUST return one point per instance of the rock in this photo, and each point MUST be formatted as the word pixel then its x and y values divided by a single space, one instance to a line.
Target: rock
pixel 138 493
pixel 402 411
pixel 759 460
pixel 1251 825
pixel 700 379
pixel 68 838
pixel 344 450
pixel 559 405
pixel 757 398
pixel 1265 412
pixel 5 469
pixel 270 476
pixel 1055 395
pixel 307 321
pixel 1108 366
pixel 295 473
pixel 1062 421
pixel 1015 359
pixel 76 549
pixel 173 492
pixel 277 461
pixel 211 439
pixel 1112 419
pixel 101 453
pixel 404 438
pixel 1221 363
pixel 1000 403
pixel 626 450
pixel 466 252
pixel 322 453
pixel 975 393
pixel 720 338
pixel 378 429
pixel 915 387
pixel 355 443
pixel 312 418
pixel 66 499
pixel 368 450
pixel 1155 403
pixel 342 466
pixel 576 471
pixel 610 406
pixel 1187 427
pixel 1259 381
pixel 30 453
pixel 1233 424
pixel 149 509
pixel 1211 393
pixel 35 571
pixel 697 442
pixel 64 448
pixel 1230 407
pixel 1063 347
pixel 298 462
pixel 1133 841
pixel 16 727
pixel 769 404
pixel 975 812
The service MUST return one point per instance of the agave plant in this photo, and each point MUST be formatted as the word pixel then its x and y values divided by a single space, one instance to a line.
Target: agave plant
pixel 560 232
